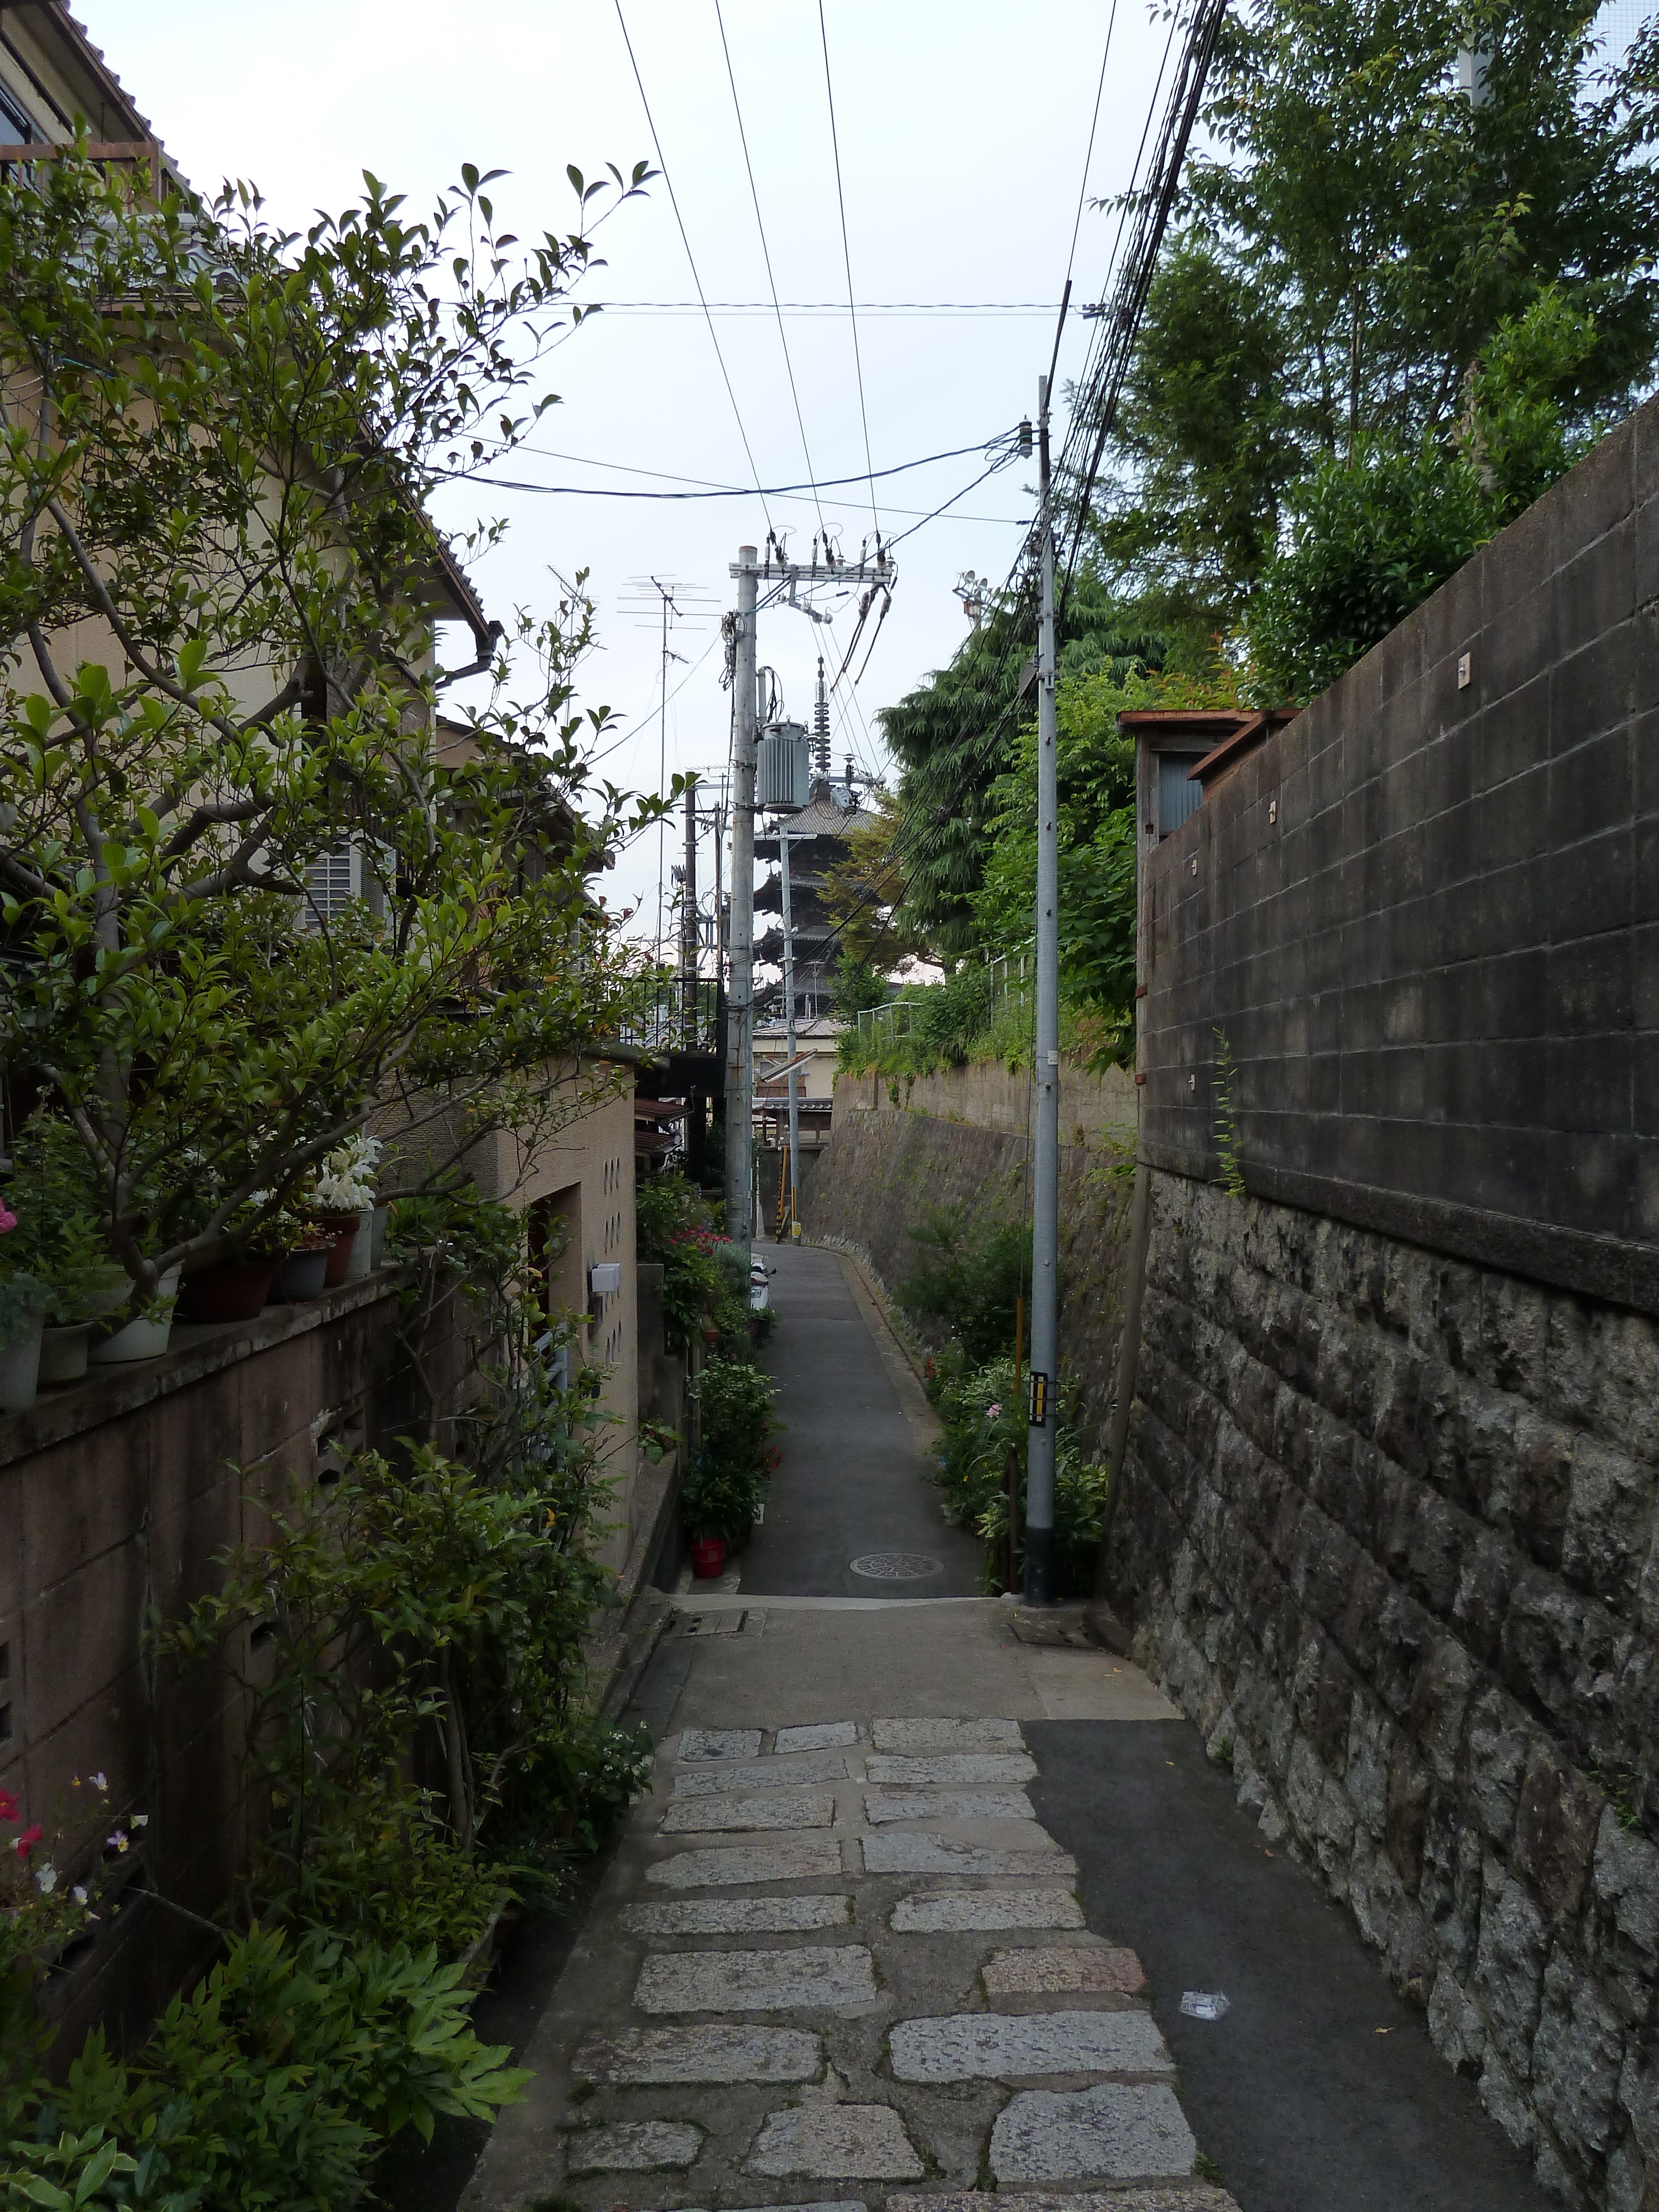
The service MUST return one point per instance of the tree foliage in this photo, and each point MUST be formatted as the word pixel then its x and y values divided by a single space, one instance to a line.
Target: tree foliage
pixel 216 593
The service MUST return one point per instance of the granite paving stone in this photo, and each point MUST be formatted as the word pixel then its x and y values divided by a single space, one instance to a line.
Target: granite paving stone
pixel 912 1854
pixel 747 1862
pixel 947 1912
pixel 738 1915
pixel 865 2142
pixel 1117 2131
pixel 713 2051
pixel 883 1805
pixel 775 1809
pixel 1182 2197
pixel 720 1743
pixel 950 1767
pixel 836 1975
pixel 1055 1971
pixel 759 1774
pixel 818 1735
pixel 634 2147
pixel 923 1735
pixel 1003 2047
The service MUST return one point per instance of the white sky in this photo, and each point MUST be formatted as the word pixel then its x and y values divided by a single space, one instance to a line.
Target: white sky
pixel 963 130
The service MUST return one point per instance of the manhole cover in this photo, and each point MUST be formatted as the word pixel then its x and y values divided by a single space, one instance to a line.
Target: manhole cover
pixel 897 1566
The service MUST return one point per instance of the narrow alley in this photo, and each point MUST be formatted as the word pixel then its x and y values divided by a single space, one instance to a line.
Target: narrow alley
pixel 917 1910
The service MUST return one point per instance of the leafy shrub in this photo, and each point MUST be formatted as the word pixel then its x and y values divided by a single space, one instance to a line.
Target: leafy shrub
pixel 968 1275
pixel 983 1429
pixel 673 1230
pixel 725 1483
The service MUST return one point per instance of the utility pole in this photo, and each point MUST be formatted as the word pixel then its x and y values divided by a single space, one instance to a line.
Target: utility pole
pixel 740 999
pixel 789 1029
pixel 689 948
pixel 1045 1166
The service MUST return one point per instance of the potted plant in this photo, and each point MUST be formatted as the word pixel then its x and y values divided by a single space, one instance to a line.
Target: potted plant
pixel 61 1244
pixel 342 1198
pixel 302 1274
pixel 238 1287
pixel 23 1300
pixel 147 1334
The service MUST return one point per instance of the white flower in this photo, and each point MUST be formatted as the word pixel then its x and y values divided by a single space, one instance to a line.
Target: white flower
pixel 46 1880
pixel 117 1841
pixel 140 1820
pixel 101 1782
pixel 78 1894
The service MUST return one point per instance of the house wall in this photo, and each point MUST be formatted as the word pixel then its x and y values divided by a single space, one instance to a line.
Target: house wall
pixel 1389 1526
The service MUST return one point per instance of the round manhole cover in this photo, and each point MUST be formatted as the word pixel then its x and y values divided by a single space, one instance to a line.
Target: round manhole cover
pixel 897 1566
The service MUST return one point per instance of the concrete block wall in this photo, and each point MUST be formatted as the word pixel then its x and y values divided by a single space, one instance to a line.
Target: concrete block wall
pixel 1425 915
pixel 118 1497
pixel 1390 1536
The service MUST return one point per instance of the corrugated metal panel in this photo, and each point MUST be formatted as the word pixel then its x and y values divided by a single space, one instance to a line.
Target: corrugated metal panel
pixel 1177 797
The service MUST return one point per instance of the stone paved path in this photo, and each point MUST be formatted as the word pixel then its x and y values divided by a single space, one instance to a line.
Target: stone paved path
pixel 841 1967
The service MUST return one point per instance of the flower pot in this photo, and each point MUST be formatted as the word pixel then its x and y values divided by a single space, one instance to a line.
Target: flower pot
pixel 345 1228
pixel 301 1276
pixel 147 1338
pixel 19 1366
pixel 233 1290
pixel 361 1261
pixel 107 1289
pixel 377 1242
pixel 708 1557
pixel 63 1352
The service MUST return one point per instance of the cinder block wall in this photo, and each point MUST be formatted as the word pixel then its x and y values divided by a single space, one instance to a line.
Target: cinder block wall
pixel 1389 1528
pixel 117 1498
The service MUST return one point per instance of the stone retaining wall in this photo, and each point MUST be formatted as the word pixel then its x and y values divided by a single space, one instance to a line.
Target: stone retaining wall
pixel 883 1171
pixel 1389 1535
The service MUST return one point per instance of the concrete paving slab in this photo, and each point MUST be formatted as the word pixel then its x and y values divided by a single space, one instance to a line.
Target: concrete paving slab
pixel 1009 2047
pixel 865 2142
pixel 720 1743
pixel 738 1915
pixel 831 1976
pixel 950 1767
pixel 634 2147
pixel 887 1805
pixel 1117 2131
pixel 712 2052
pixel 747 1862
pixel 943 1734
pixel 818 1735
pixel 774 1808
pixel 949 1911
pixel 759 1774
pixel 899 1853
pixel 1057 1970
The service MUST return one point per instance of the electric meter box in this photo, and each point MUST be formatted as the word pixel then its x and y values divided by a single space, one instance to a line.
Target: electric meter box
pixel 782 769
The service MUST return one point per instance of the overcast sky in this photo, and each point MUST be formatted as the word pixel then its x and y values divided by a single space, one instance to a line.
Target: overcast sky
pixel 963 130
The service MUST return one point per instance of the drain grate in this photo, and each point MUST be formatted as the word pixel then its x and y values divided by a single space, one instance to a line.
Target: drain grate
pixel 730 1621
pixel 897 1566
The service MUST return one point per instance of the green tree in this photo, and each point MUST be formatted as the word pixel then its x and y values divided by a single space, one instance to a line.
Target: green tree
pixel 216 591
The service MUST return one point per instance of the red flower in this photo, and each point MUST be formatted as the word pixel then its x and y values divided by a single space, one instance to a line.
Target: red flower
pixel 29 1836
pixel 8 1806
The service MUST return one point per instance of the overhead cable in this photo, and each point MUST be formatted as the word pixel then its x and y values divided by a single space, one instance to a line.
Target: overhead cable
pixel 846 259
pixel 673 200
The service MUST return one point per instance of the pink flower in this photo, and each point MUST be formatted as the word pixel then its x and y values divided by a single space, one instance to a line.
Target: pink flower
pixel 7 1220
pixel 992 1412
pixel 29 1837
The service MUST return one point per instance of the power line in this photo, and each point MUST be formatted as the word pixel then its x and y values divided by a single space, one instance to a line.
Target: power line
pixel 673 200
pixel 766 251
pixel 846 259
pixel 733 491
pixel 1094 126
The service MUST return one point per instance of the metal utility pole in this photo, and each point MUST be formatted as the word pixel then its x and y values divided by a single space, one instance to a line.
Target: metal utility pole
pixel 1045 1166
pixel 740 999
pixel 689 947
pixel 789 1030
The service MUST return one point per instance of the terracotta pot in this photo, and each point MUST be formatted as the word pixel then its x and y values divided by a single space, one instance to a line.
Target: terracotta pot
pixel 344 1226
pixel 708 1557
pixel 234 1290
pixel 301 1276
pixel 63 1352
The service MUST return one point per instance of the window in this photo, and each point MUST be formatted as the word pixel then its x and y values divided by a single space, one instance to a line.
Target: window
pixel 16 126
pixel 331 881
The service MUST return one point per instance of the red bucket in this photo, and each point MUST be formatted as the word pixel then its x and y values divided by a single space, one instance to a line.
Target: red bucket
pixel 708 1557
